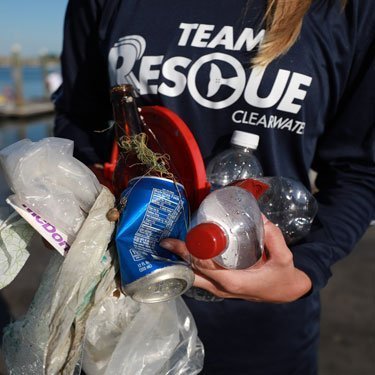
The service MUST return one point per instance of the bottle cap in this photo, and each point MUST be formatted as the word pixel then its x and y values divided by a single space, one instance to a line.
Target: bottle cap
pixel 206 241
pixel 245 139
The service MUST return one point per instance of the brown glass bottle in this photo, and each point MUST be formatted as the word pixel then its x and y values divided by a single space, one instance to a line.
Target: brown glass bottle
pixel 129 126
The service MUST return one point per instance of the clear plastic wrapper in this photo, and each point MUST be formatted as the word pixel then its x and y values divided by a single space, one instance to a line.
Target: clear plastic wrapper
pixel 289 205
pixel 125 337
pixel 48 340
pixel 105 325
pixel 15 235
pixel 54 184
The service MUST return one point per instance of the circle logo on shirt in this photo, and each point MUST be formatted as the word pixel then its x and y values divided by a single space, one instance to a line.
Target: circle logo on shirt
pixel 123 56
pixel 216 80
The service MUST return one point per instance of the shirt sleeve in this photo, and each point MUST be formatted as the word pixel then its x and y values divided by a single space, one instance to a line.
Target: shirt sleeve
pixel 345 163
pixel 82 102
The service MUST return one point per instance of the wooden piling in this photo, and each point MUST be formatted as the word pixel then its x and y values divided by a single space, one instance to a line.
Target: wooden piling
pixel 17 76
pixel 44 67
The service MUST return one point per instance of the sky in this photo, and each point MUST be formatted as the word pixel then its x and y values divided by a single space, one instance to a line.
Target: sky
pixel 35 25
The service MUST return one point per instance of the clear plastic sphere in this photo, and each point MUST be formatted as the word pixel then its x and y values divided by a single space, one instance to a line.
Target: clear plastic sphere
pixel 289 205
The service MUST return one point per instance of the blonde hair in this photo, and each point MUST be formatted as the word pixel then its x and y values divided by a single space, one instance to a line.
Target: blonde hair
pixel 283 20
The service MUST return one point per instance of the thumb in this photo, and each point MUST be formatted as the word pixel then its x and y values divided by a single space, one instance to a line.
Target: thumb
pixel 176 246
pixel 274 240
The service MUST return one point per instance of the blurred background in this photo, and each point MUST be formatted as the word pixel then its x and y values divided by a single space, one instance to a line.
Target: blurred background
pixel 30 44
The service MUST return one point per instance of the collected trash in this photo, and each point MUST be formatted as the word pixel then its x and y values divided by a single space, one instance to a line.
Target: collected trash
pixel 229 229
pixel 152 205
pixel 127 337
pixel 289 205
pixel 155 209
pixel 74 319
pixel 238 162
pixel 50 185
pixel 49 339
pixel 15 234
pixel 110 242
pixel 75 314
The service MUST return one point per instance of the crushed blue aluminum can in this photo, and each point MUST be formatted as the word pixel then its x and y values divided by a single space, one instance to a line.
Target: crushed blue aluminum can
pixel 154 208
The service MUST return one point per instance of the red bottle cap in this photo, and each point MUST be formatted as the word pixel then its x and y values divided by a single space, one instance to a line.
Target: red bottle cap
pixel 206 241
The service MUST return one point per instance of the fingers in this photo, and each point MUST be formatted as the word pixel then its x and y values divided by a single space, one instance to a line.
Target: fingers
pixel 176 246
pixel 218 291
pixel 223 279
pixel 245 284
pixel 202 282
pixel 212 287
pixel 275 243
pixel 200 267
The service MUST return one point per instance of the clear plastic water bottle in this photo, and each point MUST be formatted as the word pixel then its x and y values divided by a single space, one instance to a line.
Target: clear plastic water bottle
pixel 229 229
pixel 289 205
pixel 236 163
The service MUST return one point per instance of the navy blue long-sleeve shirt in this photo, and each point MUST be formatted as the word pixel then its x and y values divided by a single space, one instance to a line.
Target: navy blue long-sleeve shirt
pixel 313 107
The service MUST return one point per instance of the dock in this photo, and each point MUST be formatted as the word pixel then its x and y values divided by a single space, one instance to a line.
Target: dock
pixel 26 110
pixel 14 105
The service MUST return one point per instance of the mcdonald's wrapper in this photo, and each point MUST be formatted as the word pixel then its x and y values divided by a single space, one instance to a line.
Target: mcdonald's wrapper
pixel 57 238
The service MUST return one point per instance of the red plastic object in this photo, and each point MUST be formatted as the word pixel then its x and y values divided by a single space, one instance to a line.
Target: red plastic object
pixel 253 186
pixel 206 241
pixel 177 141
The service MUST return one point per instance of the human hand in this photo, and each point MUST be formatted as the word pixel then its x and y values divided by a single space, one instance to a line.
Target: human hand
pixel 272 279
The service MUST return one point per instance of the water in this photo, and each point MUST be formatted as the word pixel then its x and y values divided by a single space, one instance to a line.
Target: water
pixel 33 84
pixel 12 130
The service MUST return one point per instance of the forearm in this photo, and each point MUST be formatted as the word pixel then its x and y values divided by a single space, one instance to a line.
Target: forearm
pixel 82 103
pixel 345 211
pixel 89 147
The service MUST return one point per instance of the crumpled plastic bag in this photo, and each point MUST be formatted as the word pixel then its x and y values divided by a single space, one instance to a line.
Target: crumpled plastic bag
pixel 125 337
pixel 105 324
pixel 53 183
pixel 15 235
pixel 48 340
pixel 74 312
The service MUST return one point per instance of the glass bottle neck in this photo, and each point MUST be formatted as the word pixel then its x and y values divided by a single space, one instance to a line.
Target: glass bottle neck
pixel 125 111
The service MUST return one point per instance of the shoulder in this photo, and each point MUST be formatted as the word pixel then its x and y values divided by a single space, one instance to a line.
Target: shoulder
pixel 91 13
pixel 351 21
pixel 92 6
pixel 361 15
pixel 354 12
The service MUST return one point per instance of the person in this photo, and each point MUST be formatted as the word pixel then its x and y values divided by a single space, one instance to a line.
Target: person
pixel 300 74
